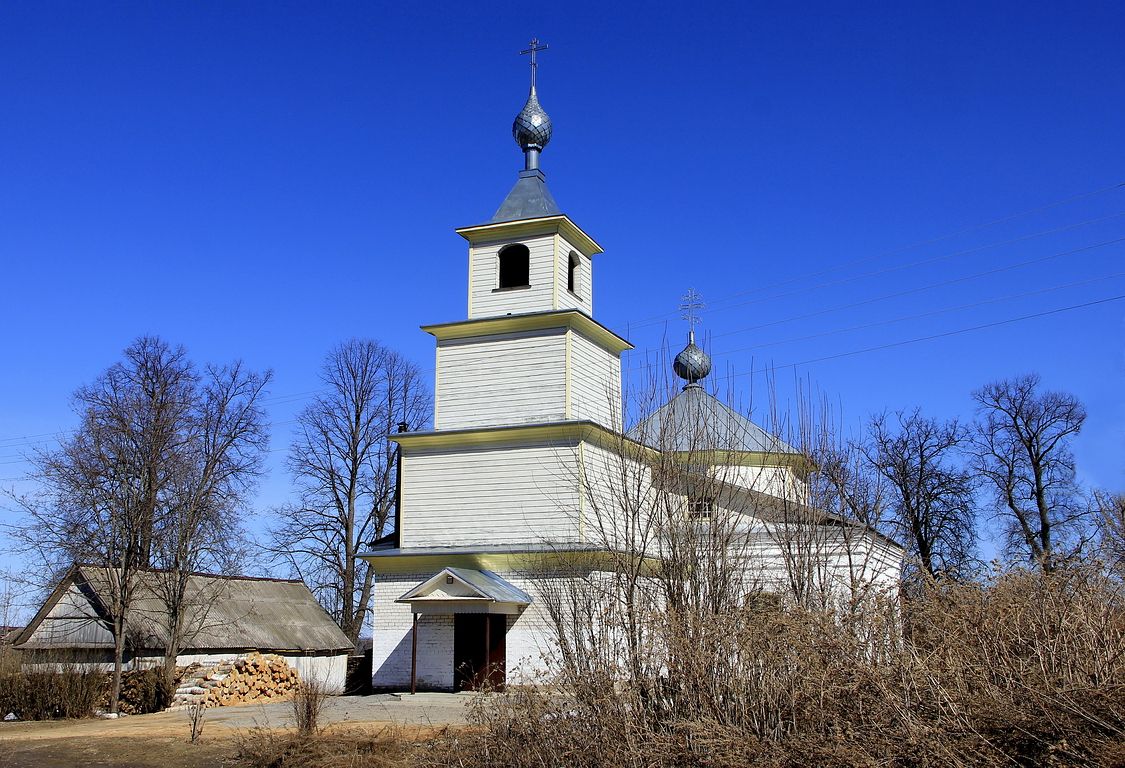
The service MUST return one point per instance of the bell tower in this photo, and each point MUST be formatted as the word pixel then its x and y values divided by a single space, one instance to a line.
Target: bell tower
pixel 530 257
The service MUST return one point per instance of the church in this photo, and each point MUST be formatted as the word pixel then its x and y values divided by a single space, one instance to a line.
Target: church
pixel 530 476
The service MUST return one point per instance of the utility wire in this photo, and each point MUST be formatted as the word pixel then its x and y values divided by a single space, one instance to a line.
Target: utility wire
pixel 886 270
pixel 891 345
pixel 908 247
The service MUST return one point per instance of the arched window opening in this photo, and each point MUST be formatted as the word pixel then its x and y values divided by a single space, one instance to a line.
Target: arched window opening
pixel 515 266
pixel 572 273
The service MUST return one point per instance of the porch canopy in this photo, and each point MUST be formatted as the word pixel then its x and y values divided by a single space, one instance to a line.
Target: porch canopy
pixel 465 590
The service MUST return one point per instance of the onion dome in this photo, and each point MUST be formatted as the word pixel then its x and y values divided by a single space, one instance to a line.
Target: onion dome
pixel 692 364
pixel 532 126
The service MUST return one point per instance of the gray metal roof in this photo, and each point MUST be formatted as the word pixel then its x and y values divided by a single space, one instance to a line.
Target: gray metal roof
pixel 486 583
pixel 529 199
pixel 223 612
pixel 695 420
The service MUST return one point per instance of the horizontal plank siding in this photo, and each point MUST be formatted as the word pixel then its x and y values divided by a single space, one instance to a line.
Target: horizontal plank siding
pixel 595 383
pixel 494 497
pixel 583 296
pixel 501 380
pixel 486 301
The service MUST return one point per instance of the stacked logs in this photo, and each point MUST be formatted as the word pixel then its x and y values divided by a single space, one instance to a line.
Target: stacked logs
pixel 254 677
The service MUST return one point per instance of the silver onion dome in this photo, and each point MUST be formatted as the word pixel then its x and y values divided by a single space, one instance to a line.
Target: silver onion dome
pixel 532 126
pixel 692 364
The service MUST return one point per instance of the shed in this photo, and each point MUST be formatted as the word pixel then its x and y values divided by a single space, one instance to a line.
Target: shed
pixel 225 617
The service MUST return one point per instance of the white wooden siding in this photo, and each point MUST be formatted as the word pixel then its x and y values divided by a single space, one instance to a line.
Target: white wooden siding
pixel 595 381
pixel 486 301
pixel 501 380
pixel 493 497
pixel 617 491
pixel 583 297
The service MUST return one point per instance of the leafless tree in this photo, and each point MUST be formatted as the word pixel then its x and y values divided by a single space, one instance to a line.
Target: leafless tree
pixel 216 464
pixel 1022 447
pixel 116 493
pixel 345 470
pixel 1110 510
pixel 931 498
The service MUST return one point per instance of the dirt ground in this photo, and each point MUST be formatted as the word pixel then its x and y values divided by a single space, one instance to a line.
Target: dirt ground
pixel 162 740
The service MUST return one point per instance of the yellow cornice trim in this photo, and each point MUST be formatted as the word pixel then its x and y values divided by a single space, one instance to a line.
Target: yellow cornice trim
pixel 557 432
pixel 717 458
pixel 483 233
pixel 535 321
pixel 554 560
pixel 562 432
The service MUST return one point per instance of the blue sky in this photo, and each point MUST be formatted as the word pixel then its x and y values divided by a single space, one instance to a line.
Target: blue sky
pixel 263 180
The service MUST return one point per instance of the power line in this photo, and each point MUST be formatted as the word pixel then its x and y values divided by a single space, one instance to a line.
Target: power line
pixel 909 246
pixel 892 321
pixel 932 337
pixel 886 270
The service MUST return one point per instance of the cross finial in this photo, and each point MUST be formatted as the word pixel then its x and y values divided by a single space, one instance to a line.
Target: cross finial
pixel 690 307
pixel 534 48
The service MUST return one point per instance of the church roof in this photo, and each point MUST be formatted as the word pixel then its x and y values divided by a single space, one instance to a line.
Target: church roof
pixel 529 199
pixel 695 420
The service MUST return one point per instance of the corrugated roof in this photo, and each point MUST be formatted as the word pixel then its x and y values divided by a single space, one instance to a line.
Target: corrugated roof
pixel 222 612
pixel 695 420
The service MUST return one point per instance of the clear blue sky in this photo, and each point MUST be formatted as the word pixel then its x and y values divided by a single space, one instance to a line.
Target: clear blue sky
pixel 264 180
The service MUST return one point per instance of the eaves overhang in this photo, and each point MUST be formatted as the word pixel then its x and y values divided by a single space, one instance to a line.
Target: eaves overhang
pixel 531 321
pixel 560 224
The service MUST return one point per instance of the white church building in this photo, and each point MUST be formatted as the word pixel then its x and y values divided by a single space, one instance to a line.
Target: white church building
pixel 523 479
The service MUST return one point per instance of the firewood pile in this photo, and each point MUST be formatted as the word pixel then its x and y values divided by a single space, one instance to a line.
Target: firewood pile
pixel 254 677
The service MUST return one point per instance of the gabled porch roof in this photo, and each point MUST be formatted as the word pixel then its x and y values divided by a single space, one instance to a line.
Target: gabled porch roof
pixel 466 590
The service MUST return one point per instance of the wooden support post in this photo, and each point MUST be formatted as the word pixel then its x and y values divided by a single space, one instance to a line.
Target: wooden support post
pixel 487 649
pixel 414 657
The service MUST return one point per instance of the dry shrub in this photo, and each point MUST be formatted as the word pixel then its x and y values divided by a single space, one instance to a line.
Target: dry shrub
pixel 43 695
pixel 144 691
pixel 309 698
pixel 1026 671
pixel 332 748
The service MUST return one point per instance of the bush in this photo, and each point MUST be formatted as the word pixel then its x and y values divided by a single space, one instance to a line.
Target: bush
pixel 1029 670
pixel 144 691
pixel 51 695
pixel 309 698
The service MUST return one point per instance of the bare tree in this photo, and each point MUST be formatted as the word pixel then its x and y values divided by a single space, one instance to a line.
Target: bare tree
pixel 1110 510
pixel 345 470
pixel 931 500
pixel 103 484
pixel 1022 447
pixel 117 494
pixel 216 464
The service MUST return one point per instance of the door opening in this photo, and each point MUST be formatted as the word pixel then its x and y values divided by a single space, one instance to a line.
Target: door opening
pixel 479 654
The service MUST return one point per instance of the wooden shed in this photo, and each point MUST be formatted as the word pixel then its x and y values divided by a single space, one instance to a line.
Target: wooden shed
pixel 226 617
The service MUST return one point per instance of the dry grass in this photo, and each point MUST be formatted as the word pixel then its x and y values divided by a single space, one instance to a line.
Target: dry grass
pixel 333 747
pixel 1028 671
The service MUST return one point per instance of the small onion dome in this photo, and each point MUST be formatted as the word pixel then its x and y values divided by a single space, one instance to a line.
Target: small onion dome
pixel 692 364
pixel 532 127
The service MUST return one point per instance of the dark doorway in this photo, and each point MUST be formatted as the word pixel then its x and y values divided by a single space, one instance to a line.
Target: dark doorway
pixel 478 651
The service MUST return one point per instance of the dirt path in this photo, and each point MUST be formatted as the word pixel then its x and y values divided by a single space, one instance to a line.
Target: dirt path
pixel 162 740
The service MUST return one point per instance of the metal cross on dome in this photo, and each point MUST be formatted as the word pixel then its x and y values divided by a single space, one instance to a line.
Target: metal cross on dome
pixel 533 49
pixel 690 307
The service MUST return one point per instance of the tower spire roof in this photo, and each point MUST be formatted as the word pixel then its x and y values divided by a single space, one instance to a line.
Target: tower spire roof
pixel 530 198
